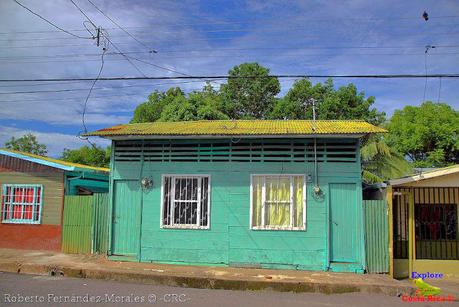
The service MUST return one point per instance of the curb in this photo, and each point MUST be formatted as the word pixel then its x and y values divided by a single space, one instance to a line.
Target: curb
pixel 204 282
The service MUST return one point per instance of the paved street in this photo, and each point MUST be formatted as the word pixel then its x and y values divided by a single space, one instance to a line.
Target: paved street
pixel 58 291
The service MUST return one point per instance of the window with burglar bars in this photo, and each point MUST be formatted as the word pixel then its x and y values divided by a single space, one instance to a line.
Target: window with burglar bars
pixel 21 204
pixel 278 202
pixel 185 201
pixel 436 223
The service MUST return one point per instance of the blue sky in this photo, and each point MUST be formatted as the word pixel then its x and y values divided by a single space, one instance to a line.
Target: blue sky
pixel 208 38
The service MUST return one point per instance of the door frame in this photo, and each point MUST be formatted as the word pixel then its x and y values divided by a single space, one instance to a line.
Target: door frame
pixel 110 253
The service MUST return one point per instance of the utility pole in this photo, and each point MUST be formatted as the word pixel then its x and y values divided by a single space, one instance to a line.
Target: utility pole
pixel 98 36
pixel 316 188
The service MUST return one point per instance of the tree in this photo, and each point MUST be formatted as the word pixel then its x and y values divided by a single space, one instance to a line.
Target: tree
pixel 426 134
pixel 27 143
pixel 93 156
pixel 343 103
pixel 250 92
pixel 381 162
pixel 199 105
pixel 151 110
pixel 174 105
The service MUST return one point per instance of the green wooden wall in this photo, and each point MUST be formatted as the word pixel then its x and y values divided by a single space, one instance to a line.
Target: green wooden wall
pixel 230 241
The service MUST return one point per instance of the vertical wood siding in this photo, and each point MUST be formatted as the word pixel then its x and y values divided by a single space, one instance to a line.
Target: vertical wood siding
pixel 100 223
pixel 230 241
pixel 376 236
pixel 77 227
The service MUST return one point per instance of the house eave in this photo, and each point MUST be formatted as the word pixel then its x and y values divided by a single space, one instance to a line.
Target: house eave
pixel 226 136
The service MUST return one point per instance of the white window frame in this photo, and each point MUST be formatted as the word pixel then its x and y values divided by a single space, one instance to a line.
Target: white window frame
pixel 263 207
pixel 22 220
pixel 198 219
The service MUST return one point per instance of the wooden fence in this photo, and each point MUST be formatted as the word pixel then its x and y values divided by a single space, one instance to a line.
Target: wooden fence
pixel 85 227
pixel 376 236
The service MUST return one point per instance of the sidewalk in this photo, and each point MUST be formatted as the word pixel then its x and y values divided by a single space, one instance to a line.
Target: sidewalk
pixel 97 267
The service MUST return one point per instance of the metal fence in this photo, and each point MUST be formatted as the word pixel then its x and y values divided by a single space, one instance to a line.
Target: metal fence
pixel 435 219
pixel 85 227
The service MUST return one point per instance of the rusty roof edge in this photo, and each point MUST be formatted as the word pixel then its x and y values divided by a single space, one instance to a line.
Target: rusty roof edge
pixel 112 131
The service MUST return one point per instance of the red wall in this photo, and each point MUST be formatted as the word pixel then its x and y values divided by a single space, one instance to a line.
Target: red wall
pixel 23 236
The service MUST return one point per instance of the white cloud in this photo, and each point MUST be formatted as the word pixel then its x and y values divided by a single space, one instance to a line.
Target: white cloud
pixel 55 142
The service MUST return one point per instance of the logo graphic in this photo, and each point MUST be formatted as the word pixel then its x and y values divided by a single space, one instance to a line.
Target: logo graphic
pixel 424 289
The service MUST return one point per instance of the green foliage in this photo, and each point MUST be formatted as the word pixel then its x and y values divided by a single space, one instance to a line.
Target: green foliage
pixel 93 156
pixel 27 143
pixel 250 91
pixel 174 105
pixel 343 103
pixel 381 162
pixel 427 134
pixel 151 110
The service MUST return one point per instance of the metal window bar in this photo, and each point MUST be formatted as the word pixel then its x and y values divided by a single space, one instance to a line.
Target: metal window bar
pixel 400 224
pixel 186 201
pixel 22 204
pixel 436 223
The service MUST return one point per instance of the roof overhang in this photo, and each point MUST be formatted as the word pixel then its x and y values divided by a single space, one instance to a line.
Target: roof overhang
pixel 424 176
pixel 226 136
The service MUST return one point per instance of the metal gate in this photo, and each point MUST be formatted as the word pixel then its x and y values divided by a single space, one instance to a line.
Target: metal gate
pixel 376 236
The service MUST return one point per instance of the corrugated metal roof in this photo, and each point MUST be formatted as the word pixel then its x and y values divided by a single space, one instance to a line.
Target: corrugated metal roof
pixel 452 169
pixel 240 128
pixel 64 165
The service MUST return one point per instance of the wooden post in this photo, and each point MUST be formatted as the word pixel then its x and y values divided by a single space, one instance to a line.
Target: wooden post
pixel 390 217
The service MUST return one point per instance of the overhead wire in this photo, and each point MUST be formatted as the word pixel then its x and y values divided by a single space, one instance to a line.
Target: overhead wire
pixel 100 88
pixel 49 22
pixel 280 76
pixel 118 25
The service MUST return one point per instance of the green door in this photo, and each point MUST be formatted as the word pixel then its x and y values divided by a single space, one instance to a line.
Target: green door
pixel 344 243
pixel 126 218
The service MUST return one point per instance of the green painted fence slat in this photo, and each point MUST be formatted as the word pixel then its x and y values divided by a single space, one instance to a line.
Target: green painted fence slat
pixel 376 236
pixel 100 230
pixel 77 227
pixel 85 228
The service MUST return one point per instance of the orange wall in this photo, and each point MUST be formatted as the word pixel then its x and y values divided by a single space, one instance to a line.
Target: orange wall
pixel 23 236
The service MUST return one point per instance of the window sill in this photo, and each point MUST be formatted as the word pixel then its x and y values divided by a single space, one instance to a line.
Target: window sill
pixel 21 222
pixel 189 227
pixel 279 228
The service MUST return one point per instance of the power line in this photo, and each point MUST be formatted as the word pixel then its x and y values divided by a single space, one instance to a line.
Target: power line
pixel 84 14
pixel 108 39
pixel 84 57
pixel 95 88
pixel 90 90
pixel 258 20
pixel 49 22
pixel 125 56
pixel 115 23
pixel 356 76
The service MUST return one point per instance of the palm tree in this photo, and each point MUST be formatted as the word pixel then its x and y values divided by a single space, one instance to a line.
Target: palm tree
pixel 381 162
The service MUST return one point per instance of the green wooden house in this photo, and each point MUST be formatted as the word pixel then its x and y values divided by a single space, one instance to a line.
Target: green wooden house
pixel 249 193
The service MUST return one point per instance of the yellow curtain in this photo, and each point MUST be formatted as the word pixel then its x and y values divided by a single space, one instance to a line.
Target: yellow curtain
pixel 257 200
pixel 277 201
pixel 298 201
